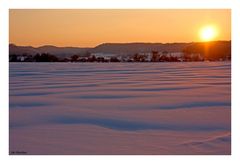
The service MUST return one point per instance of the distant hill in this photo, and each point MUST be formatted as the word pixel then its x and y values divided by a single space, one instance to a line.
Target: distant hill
pixel 131 48
pixel 19 50
pixel 116 48
pixel 57 51
pixel 62 51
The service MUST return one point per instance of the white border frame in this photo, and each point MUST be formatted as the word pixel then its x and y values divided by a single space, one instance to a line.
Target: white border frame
pixel 5 5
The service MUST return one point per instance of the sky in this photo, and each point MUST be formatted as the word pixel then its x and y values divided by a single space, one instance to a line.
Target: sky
pixel 89 28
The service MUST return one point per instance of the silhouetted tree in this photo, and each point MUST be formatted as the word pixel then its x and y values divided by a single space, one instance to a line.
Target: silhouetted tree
pixel 163 58
pixel 92 58
pixel 45 57
pixel 155 56
pixel 136 57
pixel 29 58
pixel 114 59
pixel 74 58
pixel 100 59
pixel 13 58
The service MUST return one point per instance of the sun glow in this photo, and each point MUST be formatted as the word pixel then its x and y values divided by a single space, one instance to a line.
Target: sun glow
pixel 208 33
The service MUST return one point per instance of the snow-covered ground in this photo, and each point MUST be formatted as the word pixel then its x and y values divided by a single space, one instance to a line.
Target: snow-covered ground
pixel 120 108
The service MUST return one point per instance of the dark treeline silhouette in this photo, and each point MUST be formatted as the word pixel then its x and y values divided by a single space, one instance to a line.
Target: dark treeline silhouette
pixel 45 57
pixel 209 51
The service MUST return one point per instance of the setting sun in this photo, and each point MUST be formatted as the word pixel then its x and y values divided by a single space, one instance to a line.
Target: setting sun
pixel 208 33
pixel 89 28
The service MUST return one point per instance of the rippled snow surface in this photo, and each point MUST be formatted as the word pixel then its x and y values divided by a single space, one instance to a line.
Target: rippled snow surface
pixel 120 108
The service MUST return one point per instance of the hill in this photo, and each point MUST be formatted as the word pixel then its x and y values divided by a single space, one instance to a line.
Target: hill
pixel 215 49
pixel 57 51
pixel 131 48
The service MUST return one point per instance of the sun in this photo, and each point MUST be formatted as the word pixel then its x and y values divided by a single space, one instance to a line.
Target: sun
pixel 208 33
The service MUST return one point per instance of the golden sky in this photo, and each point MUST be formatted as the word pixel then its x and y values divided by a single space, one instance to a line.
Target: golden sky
pixel 88 28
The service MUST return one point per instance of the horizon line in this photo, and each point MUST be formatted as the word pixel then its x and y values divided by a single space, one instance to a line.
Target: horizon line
pixel 118 43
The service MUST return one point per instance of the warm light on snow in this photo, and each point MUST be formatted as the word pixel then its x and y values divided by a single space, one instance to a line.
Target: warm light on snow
pixel 120 108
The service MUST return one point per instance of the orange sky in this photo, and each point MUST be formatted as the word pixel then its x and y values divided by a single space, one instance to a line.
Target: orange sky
pixel 88 28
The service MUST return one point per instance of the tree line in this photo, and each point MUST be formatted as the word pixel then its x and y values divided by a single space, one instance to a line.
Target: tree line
pixel 210 51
